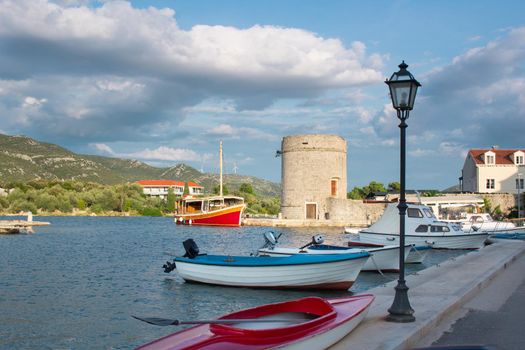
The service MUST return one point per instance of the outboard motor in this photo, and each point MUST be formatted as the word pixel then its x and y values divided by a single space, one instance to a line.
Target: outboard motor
pixel 191 248
pixel 270 241
pixel 317 239
pixel 270 238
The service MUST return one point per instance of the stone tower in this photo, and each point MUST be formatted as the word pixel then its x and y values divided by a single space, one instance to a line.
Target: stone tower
pixel 313 175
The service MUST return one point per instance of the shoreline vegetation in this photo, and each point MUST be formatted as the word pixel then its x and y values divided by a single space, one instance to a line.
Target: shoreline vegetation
pixel 77 198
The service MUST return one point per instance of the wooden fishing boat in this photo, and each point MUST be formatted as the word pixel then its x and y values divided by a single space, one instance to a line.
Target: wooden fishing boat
pixel 218 210
pixel 315 323
pixel 382 258
pixel 308 271
pixel 212 211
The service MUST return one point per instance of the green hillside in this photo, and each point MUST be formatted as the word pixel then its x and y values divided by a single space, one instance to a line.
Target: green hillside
pixel 24 159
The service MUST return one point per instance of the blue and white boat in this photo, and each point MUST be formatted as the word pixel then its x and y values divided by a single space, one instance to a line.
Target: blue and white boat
pixel 309 271
pixel 382 258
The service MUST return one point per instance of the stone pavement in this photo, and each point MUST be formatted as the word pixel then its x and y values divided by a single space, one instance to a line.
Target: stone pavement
pixel 442 294
pixel 491 320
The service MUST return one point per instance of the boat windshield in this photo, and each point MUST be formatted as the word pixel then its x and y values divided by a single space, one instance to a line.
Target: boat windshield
pixel 229 201
pixel 428 213
pixel 414 213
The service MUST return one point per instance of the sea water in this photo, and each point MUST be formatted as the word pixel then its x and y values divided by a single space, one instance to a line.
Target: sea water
pixel 76 283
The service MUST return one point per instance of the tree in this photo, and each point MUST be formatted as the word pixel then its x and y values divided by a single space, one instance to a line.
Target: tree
pixel 356 193
pixel 171 200
pixel 246 188
pixel 394 186
pixel 224 189
pixel 186 189
pixel 374 187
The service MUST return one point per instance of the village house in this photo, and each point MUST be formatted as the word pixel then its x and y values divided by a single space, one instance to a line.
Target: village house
pixel 160 188
pixel 493 171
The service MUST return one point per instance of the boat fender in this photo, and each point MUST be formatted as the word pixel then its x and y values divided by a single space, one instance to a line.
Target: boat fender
pixel 191 248
pixel 189 222
pixel 169 266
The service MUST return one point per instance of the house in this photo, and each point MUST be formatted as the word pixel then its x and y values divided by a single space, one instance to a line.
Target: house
pixel 160 188
pixel 195 189
pixel 493 170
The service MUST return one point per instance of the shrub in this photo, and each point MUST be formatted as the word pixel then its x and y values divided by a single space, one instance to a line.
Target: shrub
pixel 150 211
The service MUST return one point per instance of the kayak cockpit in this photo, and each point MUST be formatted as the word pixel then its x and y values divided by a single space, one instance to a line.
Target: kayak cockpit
pixel 292 316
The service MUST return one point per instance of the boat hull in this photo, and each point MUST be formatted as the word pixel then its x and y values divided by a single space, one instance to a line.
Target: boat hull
pixel 230 216
pixel 297 272
pixel 417 254
pixel 384 258
pixel 464 241
pixel 340 317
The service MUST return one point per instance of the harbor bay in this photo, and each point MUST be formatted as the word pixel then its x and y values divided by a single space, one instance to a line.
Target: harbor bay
pixel 76 283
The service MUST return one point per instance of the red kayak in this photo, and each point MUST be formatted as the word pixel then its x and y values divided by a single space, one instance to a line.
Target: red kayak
pixel 307 323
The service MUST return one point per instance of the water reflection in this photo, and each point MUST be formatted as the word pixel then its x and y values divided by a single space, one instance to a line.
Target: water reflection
pixel 74 284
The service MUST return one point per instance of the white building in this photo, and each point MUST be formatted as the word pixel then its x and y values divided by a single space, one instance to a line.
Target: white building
pixel 160 188
pixel 195 189
pixel 493 170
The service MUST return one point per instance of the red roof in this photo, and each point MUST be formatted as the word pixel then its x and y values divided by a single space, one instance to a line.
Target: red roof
pixel 193 184
pixel 160 183
pixel 503 156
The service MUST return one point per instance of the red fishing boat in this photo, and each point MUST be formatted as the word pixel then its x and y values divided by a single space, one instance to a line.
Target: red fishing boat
pixel 307 323
pixel 215 211
pixel 218 210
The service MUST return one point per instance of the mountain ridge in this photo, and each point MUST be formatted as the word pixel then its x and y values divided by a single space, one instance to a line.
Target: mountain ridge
pixel 24 159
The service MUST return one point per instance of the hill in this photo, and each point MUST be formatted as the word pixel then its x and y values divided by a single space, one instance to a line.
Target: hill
pixel 23 159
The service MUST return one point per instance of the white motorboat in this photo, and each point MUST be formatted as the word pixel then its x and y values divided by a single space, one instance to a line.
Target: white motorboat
pixel 483 222
pixel 382 259
pixel 421 228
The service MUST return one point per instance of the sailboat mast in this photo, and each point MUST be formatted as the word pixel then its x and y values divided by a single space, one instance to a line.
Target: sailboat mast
pixel 220 178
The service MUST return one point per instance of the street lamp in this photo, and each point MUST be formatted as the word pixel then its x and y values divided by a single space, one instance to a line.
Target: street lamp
pixel 403 88
pixel 519 195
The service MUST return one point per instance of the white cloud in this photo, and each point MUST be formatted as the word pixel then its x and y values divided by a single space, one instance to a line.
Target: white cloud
pixel 166 153
pixel 453 149
pixel 388 142
pixel 156 41
pixel 222 130
pixel 418 152
pixel 227 131
pixel 116 67
pixel 102 147
pixel 369 130
pixel 30 101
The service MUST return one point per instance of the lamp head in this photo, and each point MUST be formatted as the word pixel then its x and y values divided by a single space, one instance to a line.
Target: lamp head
pixel 403 88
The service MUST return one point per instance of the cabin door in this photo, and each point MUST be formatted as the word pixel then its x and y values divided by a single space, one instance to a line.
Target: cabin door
pixel 311 211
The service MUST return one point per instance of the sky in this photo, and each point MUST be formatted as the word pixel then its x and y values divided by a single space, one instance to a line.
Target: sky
pixel 164 81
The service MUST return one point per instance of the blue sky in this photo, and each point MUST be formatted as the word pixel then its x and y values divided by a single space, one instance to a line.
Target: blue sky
pixel 164 81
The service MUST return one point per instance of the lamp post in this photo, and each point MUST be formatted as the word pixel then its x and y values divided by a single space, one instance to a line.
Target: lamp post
pixel 519 195
pixel 403 88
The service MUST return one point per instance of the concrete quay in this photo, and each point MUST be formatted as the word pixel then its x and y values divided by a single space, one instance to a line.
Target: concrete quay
pixel 16 226
pixel 440 295
pixel 274 222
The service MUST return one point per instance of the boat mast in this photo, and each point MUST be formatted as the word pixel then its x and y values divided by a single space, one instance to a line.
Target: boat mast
pixel 220 178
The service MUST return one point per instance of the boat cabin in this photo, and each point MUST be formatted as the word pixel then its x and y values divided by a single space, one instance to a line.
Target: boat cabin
pixel 208 204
